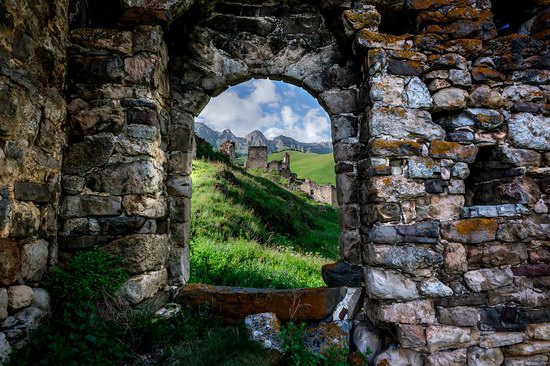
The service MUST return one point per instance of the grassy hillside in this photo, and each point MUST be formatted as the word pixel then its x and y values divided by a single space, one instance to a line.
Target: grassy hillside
pixel 248 230
pixel 318 168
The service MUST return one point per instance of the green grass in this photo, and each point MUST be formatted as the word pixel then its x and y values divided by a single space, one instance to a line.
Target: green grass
pixel 317 167
pixel 249 230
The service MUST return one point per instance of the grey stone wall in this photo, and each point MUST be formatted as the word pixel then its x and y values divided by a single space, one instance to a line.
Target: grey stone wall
pixel 256 158
pixel 320 192
pixel 32 136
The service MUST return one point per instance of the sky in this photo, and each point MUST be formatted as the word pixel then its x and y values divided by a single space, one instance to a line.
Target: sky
pixel 273 107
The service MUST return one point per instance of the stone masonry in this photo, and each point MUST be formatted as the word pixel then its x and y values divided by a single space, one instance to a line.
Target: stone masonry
pixel 257 158
pixel 441 142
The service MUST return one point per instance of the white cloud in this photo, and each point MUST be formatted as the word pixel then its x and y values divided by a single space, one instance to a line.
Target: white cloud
pixel 256 105
pixel 243 114
pixel 311 127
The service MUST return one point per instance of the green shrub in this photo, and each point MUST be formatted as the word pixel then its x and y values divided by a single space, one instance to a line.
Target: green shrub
pixel 76 333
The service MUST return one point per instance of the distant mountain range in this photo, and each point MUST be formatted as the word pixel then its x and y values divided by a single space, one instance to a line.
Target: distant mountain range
pixel 257 138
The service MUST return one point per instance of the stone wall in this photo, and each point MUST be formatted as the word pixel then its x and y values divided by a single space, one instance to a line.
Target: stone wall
pixel 320 192
pixel 455 224
pixel 257 157
pixel 32 136
pixel 440 139
pixel 228 149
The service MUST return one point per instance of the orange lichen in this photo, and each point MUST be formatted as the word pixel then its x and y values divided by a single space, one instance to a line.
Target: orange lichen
pixel 444 147
pixel 465 227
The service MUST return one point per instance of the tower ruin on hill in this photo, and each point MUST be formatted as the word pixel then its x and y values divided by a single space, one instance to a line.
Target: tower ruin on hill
pixel 228 149
pixel 257 158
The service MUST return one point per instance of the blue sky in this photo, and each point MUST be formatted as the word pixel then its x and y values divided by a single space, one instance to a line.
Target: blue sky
pixel 273 107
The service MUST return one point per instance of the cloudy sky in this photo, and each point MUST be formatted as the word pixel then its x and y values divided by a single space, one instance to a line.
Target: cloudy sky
pixel 273 107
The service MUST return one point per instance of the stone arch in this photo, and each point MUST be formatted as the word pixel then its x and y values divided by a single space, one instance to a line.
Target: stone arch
pixel 292 45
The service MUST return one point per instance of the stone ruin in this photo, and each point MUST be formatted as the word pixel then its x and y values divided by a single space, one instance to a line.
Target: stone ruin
pixel 320 192
pixel 257 158
pixel 227 149
pixel 441 137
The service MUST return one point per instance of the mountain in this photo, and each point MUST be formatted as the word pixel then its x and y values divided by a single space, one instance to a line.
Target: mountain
pixel 257 138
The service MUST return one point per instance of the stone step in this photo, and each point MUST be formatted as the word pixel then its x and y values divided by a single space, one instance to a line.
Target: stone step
pixel 311 304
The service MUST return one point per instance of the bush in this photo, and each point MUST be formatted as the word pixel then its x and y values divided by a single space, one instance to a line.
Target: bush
pixel 76 333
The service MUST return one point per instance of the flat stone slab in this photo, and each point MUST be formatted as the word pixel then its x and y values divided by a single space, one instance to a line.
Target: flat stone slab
pixel 309 304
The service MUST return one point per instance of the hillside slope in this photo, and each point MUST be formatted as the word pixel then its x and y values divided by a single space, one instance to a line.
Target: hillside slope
pixel 317 167
pixel 248 230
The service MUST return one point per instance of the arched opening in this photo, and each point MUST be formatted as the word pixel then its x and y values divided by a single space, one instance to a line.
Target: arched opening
pixel 262 214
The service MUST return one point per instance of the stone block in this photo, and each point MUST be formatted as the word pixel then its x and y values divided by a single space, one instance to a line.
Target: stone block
pixel 97 69
pixel 455 258
pixel 35 192
pixel 539 331
pixel 440 337
pixel 19 296
pixel 412 312
pixel 145 206
pixel 500 339
pixel 393 188
pixel 470 231
pixel 366 337
pixel 529 131
pixel 342 274
pixel 389 285
pixel 422 168
pixel 454 151
pixel 485 356
pixel 417 94
pixel 92 153
pixel 143 176
pixel 144 286
pixel 265 328
pixel 411 336
pixel 25 220
pixel 10 261
pixel 324 337
pixel 488 279
pixel 82 206
pixel 141 252
pixel 502 319
pixel 395 355
pixel 537 360
pixel 401 123
pixel 405 258
pixel 388 148
pixel 179 265
pixel 432 287
pixel 529 348
pixel 180 186
pixel 388 90
pixel 5 348
pixel 447 358
pixel 461 316
pixel 449 99
pixel 34 258
pixel 350 304
pixel 41 299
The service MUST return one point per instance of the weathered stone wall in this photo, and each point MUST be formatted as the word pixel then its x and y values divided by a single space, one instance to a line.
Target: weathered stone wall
pixel 228 149
pixel 441 142
pixel 455 191
pixel 257 157
pixel 114 173
pixel 320 192
pixel 32 136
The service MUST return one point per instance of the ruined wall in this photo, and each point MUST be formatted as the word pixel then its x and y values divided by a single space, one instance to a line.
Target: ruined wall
pixel 228 149
pixel 455 217
pixel 320 192
pixel 32 135
pixel 257 157
pixel 441 142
